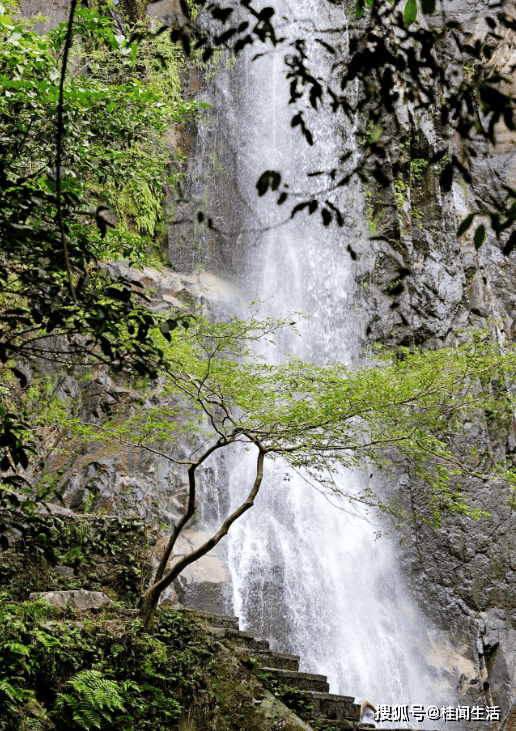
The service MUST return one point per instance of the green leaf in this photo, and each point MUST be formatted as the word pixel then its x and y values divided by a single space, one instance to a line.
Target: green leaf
pixel 465 224
pixel 360 9
pixel 134 51
pixel 428 7
pixel 410 13
pixel 480 235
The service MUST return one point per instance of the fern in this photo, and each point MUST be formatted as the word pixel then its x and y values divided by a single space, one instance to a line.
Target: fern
pixel 16 648
pixel 15 694
pixel 95 700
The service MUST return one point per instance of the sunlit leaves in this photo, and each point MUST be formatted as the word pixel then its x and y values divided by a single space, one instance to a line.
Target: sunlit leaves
pixel 104 126
pixel 410 12
pixel 320 417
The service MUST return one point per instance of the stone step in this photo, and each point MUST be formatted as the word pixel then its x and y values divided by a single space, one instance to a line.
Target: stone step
pixel 336 707
pixel 277 660
pixel 302 681
pixel 214 620
pixel 240 639
pixel 344 723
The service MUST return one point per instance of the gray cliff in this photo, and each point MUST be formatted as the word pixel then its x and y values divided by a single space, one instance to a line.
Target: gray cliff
pixel 464 575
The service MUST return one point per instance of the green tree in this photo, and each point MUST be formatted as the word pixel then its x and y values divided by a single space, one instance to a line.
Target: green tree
pixel 71 145
pixel 220 391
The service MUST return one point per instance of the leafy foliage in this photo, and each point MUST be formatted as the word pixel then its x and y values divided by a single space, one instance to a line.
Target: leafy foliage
pixel 320 418
pixel 77 543
pixel 95 700
pixel 293 698
pixel 98 674
pixel 396 58
pixel 57 304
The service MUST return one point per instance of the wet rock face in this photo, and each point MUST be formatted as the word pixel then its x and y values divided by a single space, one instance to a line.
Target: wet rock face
pixel 204 584
pixel 125 481
pixel 463 576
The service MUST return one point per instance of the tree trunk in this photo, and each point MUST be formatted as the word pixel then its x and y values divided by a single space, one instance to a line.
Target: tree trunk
pixel 151 597
pixel 189 511
pixel 148 608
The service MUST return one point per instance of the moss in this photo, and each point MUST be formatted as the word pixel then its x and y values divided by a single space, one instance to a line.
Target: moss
pixel 373 134
pixel 98 554
pixel 417 169
pixel 399 191
pixel 158 63
pixel 370 213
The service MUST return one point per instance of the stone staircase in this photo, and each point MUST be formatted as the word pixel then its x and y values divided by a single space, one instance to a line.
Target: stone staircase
pixel 336 711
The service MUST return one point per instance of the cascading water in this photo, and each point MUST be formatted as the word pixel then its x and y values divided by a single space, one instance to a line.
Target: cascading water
pixel 307 572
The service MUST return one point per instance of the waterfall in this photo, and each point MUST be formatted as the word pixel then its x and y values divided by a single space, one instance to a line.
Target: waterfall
pixel 309 573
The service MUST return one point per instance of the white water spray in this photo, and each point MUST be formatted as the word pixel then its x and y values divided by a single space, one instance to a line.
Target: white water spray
pixel 307 575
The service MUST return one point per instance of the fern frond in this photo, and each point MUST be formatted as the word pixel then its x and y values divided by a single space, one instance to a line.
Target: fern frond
pixel 16 695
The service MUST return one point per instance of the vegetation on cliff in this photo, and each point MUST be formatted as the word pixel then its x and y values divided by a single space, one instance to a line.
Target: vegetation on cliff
pixel 112 110
pixel 63 669
pixel 109 110
pixel 320 419
pixel 110 113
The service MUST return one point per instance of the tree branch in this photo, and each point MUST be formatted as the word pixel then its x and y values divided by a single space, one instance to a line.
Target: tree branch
pixel 59 147
pixel 190 509
pixel 151 596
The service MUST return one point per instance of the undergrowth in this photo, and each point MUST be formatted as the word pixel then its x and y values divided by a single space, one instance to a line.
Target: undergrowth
pixel 99 555
pixel 99 672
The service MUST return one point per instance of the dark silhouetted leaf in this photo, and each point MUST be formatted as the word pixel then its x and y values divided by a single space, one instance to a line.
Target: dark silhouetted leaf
pixel 466 223
pixel 511 243
pixel 221 14
pixel 326 217
pixel 299 207
pixel 269 179
pixel 480 235
pixel 20 376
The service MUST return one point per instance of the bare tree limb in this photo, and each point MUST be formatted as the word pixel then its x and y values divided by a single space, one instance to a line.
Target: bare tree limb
pixel 189 511
pixel 151 596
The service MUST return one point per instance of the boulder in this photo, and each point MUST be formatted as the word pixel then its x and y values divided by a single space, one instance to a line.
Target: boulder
pixel 77 598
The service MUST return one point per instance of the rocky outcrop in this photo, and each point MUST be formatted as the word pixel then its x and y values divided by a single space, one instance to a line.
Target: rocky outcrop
pixel 79 599
pixel 424 287
pixel 307 690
